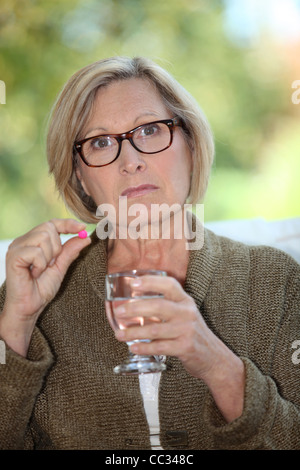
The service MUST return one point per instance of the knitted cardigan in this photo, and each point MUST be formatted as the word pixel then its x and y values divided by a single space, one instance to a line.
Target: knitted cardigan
pixel 64 395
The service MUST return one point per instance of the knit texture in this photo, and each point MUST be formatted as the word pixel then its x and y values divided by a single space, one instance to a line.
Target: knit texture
pixel 64 395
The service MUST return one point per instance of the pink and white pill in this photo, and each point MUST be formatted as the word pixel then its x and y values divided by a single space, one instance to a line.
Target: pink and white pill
pixel 82 234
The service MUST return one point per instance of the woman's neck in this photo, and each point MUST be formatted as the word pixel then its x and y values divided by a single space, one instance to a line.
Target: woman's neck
pixel 170 255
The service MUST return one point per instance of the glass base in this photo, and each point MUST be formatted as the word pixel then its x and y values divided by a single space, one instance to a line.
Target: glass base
pixel 140 365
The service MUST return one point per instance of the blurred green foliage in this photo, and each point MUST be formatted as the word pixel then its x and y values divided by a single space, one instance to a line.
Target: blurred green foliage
pixel 245 91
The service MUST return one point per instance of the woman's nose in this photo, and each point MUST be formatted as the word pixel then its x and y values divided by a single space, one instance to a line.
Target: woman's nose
pixel 130 160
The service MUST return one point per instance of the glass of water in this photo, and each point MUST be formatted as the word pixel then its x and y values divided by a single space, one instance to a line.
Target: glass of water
pixel 118 291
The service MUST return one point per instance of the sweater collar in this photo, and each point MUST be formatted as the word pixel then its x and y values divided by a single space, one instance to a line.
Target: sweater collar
pixel 202 264
pixel 96 264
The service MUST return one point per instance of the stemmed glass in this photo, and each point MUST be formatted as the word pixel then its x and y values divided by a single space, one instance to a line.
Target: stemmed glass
pixel 118 291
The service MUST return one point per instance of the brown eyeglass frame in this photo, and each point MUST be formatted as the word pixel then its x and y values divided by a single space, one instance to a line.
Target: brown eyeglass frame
pixel 171 123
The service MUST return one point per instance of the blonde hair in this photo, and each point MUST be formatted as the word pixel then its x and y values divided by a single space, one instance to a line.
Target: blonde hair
pixel 74 105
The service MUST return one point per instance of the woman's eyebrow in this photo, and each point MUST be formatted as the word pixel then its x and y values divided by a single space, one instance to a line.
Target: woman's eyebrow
pixel 103 129
pixel 147 113
pixel 94 129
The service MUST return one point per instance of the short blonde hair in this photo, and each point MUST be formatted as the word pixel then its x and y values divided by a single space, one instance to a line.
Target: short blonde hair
pixel 74 105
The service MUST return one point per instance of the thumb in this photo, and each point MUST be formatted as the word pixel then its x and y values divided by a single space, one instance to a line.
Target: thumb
pixel 70 252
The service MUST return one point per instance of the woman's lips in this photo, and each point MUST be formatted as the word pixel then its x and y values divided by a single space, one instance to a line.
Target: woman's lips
pixel 135 191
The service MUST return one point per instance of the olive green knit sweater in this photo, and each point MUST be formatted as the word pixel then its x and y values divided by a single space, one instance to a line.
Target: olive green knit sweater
pixel 64 395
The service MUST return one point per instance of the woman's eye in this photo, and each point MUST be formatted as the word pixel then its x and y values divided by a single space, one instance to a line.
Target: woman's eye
pixel 149 131
pixel 100 143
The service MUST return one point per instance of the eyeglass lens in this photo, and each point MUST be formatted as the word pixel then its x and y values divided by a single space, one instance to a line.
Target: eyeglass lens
pixel 149 138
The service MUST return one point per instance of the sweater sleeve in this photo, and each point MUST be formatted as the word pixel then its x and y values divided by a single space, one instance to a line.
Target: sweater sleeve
pixel 271 415
pixel 21 380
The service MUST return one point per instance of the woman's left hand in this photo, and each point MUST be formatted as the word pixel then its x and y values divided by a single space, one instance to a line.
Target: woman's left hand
pixel 183 333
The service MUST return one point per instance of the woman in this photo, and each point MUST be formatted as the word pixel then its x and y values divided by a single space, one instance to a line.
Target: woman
pixel 229 315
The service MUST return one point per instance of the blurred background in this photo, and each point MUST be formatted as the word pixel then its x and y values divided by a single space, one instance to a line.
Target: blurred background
pixel 239 58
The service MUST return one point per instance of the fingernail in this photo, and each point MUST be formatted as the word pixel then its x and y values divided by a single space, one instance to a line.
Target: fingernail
pixel 52 262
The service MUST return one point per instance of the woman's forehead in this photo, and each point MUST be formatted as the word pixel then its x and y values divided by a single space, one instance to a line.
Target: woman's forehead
pixel 130 91
pixel 125 103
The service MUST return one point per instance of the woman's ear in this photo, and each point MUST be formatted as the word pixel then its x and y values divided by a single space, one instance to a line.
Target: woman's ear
pixel 80 179
pixel 78 172
pixel 192 156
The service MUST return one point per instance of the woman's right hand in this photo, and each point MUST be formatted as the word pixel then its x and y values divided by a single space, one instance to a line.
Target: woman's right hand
pixel 36 264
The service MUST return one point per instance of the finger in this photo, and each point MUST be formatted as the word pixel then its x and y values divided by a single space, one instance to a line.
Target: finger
pixel 44 237
pixel 30 256
pixel 159 348
pixel 70 251
pixel 67 225
pixel 154 331
pixel 156 308
pixel 168 286
pixel 57 226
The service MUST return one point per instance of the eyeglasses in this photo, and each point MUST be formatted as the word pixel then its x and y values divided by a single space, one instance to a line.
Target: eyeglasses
pixel 153 137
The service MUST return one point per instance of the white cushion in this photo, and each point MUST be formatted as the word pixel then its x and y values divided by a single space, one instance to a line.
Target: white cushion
pixel 282 234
